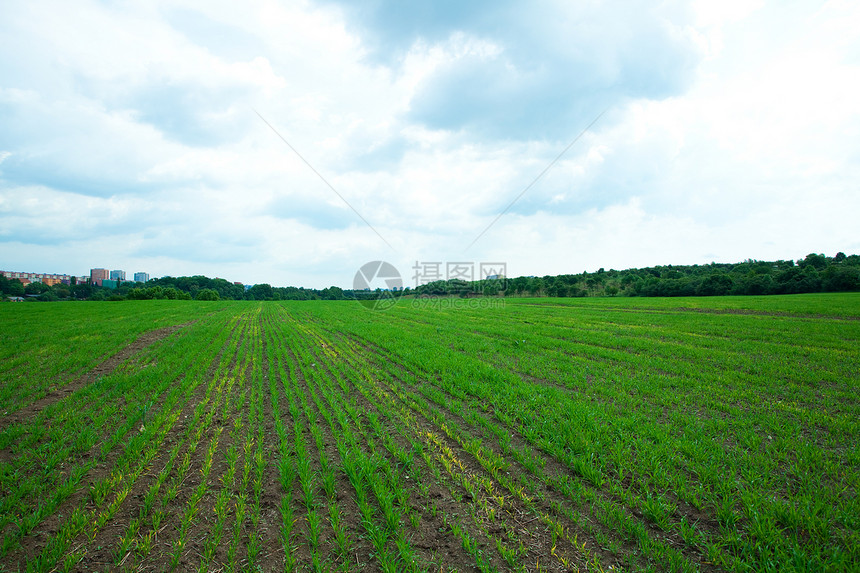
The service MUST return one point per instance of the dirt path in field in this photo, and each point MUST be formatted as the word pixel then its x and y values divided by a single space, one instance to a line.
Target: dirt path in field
pixel 105 368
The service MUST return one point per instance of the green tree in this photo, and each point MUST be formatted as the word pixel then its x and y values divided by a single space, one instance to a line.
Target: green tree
pixel 15 288
pixel 716 284
pixel 332 293
pixel 789 281
pixel 138 293
pixel 155 292
pixel 841 278
pixel 48 296
pixel 534 286
pixel 207 294
pixel 260 292
pixel 173 293
pixel 36 288
pixel 755 284
pixel 813 260
pixel 82 291
pixel 458 287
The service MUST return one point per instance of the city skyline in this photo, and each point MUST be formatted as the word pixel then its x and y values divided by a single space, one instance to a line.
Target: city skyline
pixel 114 275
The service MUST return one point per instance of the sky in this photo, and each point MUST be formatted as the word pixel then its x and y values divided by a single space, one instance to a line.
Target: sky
pixel 292 142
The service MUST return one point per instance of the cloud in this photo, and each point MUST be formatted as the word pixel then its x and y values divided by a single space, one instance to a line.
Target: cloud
pixel 128 135
pixel 390 28
pixel 501 71
pixel 217 33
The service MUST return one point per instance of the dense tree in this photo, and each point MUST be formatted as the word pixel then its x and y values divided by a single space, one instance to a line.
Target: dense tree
pixel 207 294
pixel 36 288
pixel 260 292
pixel 818 262
pixel 754 284
pixel 13 287
pixel 331 293
pixel 82 291
pixel 157 292
pixel 716 284
pixel 813 273
pixel 48 296
pixel 841 278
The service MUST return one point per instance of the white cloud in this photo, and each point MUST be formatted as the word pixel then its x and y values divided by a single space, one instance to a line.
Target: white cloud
pixel 129 137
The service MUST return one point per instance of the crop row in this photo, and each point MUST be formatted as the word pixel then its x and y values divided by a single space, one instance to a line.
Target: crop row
pixel 744 487
pixel 321 436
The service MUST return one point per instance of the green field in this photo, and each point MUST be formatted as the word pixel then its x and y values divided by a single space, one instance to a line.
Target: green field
pixel 601 434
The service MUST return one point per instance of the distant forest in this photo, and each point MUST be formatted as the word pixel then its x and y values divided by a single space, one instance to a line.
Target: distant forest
pixel 814 273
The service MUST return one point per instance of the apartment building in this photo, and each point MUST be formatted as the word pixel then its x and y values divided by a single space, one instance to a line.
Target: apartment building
pixel 50 279
pixel 99 275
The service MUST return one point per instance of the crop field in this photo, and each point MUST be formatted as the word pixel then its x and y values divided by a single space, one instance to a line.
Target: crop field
pixel 709 434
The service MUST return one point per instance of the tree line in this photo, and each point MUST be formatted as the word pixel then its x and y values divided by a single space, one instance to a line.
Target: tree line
pixel 813 273
pixel 196 287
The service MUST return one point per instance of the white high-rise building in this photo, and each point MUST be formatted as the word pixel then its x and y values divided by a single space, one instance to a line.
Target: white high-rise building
pixel 117 275
pixel 141 277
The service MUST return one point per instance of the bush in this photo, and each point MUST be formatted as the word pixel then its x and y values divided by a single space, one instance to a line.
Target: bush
pixel 207 294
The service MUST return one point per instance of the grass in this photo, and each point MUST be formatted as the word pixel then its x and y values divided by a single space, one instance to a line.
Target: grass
pixel 544 434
